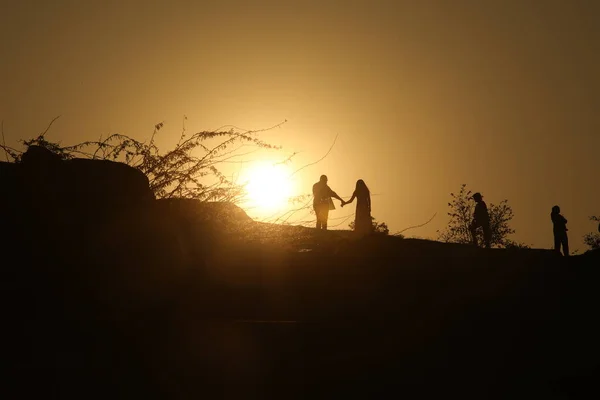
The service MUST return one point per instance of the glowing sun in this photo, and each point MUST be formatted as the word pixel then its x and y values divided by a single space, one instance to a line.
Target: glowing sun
pixel 268 186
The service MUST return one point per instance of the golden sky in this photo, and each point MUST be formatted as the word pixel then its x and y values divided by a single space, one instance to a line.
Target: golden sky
pixel 425 95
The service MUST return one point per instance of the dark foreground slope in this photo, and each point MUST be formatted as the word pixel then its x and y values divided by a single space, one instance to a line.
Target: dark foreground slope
pixel 108 293
pixel 130 310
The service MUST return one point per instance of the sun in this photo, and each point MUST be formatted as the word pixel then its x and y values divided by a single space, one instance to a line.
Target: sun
pixel 268 186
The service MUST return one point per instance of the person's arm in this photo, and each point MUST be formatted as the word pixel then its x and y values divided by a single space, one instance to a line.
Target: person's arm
pixel 351 198
pixel 564 222
pixel 334 195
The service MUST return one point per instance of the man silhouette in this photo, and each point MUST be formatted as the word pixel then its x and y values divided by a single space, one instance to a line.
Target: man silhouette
pixel 559 228
pixel 481 218
pixel 322 202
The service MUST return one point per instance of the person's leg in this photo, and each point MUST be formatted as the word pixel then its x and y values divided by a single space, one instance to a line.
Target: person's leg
pixel 325 216
pixel 557 243
pixel 318 214
pixel 565 245
pixel 473 229
pixel 487 236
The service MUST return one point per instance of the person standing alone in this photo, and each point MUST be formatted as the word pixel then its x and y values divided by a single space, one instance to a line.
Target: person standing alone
pixel 481 218
pixel 560 231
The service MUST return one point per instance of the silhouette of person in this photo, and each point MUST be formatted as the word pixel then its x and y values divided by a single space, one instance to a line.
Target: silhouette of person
pixel 362 221
pixel 322 202
pixel 560 231
pixel 481 218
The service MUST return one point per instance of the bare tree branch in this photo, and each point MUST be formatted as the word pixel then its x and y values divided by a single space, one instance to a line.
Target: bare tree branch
pixel 48 128
pixel 316 162
pixel 416 226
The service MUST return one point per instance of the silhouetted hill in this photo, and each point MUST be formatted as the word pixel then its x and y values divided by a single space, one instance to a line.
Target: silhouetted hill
pixel 175 299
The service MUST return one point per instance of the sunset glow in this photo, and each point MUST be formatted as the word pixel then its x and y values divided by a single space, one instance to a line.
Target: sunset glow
pixel 268 187
pixel 425 96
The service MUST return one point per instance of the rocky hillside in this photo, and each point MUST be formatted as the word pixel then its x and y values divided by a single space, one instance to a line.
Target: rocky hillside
pixel 107 292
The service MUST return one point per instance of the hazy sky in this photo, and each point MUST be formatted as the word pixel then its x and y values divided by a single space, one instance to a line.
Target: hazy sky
pixel 425 95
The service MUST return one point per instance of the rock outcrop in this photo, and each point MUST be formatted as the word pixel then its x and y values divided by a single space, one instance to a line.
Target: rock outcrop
pixel 42 183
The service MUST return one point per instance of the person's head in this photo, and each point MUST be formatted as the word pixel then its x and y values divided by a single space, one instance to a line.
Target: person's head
pixel 477 197
pixel 361 186
pixel 556 210
pixel 323 179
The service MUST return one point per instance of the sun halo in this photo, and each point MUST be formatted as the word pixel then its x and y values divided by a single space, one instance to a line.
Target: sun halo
pixel 268 186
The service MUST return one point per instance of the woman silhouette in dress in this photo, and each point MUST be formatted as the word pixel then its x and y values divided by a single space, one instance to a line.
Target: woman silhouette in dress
pixel 363 222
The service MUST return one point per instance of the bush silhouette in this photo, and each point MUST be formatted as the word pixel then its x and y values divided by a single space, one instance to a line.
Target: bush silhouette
pixel 592 239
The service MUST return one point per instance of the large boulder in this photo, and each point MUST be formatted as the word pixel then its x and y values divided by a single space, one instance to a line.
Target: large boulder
pixel 103 183
pixel 39 156
pixel 42 186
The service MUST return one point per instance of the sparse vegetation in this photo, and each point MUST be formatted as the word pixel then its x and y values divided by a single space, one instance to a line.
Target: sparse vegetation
pixel 190 170
pixel 592 239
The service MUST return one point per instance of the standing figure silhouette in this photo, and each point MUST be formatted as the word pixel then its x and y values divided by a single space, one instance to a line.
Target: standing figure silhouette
pixel 481 218
pixel 560 231
pixel 362 222
pixel 322 202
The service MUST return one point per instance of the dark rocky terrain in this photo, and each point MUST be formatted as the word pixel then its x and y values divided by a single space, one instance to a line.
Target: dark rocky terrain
pixel 109 293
